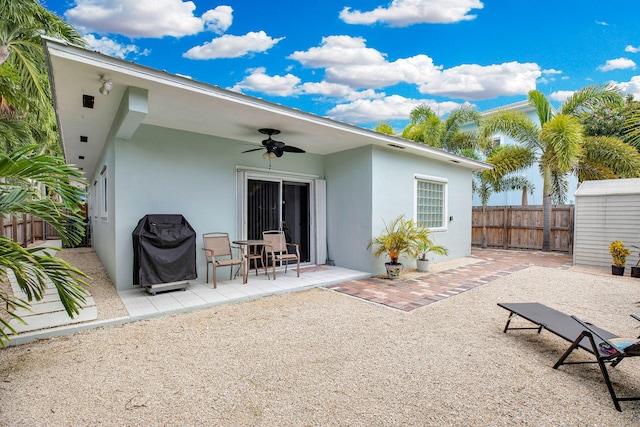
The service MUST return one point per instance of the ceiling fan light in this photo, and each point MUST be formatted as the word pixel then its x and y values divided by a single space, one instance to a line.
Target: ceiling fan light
pixel 269 155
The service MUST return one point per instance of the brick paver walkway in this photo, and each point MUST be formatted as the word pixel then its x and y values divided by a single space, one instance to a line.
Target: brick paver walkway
pixel 409 294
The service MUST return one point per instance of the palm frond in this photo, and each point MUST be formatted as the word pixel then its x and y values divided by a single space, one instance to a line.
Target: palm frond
pixel 590 97
pixel 514 124
pixel 562 137
pixel 606 157
pixel 508 159
pixel 542 106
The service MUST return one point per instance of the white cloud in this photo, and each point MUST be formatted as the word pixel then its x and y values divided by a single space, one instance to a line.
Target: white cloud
pixel 394 107
pixel 617 64
pixel 417 70
pixel 347 61
pixel 258 81
pixel 561 95
pixel 334 90
pixel 112 48
pixel 631 87
pixel 475 82
pixel 228 46
pixel 632 49
pixel 551 71
pixel 604 24
pixel 219 19
pixel 146 18
pixel 402 13
pixel 338 50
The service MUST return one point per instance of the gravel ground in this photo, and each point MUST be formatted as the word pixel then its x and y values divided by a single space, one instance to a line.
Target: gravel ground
pixel 320 358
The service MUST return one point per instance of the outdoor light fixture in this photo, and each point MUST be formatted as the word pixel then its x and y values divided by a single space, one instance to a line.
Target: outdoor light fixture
pixel 106 86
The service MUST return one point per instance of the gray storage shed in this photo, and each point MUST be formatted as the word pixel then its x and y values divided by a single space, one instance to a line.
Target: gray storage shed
pixel 606 210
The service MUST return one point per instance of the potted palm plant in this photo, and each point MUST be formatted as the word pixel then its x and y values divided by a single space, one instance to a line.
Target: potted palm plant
pixel 619 254
pixel 399 237
pixel 422 248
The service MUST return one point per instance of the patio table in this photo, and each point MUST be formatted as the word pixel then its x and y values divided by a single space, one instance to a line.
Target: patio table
pixel 251 251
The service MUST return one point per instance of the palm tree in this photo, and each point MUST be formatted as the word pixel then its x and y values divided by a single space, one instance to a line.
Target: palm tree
pixel 24 87
pixel 384 127
pixel 428 128
pixel 560 146
pixel 40 185
pixel 22 22
pixel 507 160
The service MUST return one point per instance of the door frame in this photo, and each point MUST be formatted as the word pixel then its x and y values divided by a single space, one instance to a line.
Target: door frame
pixel 317 205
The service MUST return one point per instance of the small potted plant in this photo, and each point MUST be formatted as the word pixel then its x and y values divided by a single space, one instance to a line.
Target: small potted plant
pixel 619 254
pixel 399 237
pixel 422 248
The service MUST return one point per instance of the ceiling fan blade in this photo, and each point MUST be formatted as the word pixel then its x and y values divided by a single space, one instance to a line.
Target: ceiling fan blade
pixel 290 149
pixel 253 149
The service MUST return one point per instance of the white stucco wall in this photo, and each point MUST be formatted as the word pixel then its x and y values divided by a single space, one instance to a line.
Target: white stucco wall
pixel 370 185
pixel 393 194
pixel 349 201
pixel 165 171
pixel 103 227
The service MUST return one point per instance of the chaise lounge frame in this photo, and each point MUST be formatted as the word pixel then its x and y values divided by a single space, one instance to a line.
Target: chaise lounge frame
pixel 580 334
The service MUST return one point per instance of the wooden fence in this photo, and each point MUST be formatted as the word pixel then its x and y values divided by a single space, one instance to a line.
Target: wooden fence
pixel 520 227
pixel 26 229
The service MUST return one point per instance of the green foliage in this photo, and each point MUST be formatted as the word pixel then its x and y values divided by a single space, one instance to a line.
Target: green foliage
pixel 428 128
pixel 41 185
pixel 611 120
pixel 25 100
pixel 403 236
pixel 385 128
pixel 619 253
pixel 559 143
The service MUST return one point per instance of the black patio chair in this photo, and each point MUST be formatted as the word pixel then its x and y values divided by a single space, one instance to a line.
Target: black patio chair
pixel 607 348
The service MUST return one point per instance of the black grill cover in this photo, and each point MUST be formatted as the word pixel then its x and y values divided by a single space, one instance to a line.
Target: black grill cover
pixel 164 250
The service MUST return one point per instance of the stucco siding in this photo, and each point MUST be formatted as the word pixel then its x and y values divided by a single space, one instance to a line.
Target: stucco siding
pixel 165 171
pixel 394 175
pixel 349 208
pixel 103 227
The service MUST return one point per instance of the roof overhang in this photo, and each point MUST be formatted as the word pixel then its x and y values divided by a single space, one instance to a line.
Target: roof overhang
pixel 181 103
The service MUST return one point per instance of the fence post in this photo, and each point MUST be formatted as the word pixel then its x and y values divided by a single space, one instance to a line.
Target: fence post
pixel 14 229
pixel 25 236
pixel 505 227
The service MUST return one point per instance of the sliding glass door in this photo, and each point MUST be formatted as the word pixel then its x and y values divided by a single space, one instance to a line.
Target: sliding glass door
pixel 275 204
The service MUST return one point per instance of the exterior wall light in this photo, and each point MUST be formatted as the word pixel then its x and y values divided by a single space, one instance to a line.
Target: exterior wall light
pixel 106 85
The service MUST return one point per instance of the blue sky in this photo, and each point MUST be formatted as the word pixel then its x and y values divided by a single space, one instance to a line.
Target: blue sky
pixel 363 62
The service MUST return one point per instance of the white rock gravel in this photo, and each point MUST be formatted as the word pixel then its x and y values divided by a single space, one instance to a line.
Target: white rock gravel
pixel 320 358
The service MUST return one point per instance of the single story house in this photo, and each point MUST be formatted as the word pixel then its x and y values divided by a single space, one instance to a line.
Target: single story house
pixel 154 143
pixel 606 210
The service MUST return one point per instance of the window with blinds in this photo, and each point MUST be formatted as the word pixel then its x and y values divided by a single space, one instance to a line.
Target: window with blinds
pixel 430 203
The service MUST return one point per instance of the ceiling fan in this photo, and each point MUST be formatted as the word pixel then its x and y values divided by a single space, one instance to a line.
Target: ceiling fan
pixel 274 148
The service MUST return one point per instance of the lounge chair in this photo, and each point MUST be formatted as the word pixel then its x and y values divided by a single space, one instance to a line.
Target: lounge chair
pixel 603 345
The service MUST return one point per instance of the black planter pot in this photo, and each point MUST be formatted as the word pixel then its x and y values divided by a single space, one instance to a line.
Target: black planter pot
pixel 635 271
pixel 617 271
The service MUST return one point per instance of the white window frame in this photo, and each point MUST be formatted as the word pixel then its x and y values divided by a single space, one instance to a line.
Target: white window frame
pixel 445 202
pixel 103 192
pixel 498 140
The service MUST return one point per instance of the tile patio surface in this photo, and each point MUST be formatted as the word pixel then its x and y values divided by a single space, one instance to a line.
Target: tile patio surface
pixel 407 294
